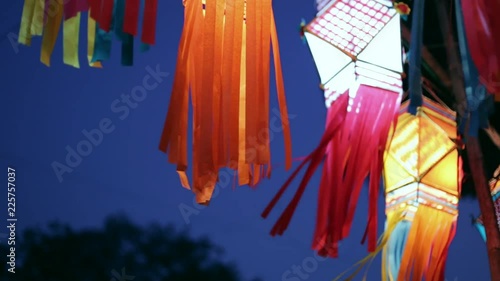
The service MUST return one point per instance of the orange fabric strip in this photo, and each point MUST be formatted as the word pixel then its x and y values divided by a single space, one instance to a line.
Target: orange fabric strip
pixel 222 148
pixel 180 85
pixel 256 140
pixel 281 95
pixel 217 127
pixel 234 114
pixel 427 245
pixel 227 86
pixel 181 139
pixel 178 151
pixel 206 155
pixel 183 178
pixel 263 133
pixel 192 53
pixel 243 169
pixel 198 52
pixel 252 57
pixel 174 137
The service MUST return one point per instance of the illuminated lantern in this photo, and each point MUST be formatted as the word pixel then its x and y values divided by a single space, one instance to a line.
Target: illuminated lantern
pixel 422 178
pixel 356 45
pixel 224 64
pixel 495 193
pixel 106 18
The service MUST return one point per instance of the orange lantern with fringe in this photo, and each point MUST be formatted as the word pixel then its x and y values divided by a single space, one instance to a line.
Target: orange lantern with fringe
pixel 223 63
pixel 422 177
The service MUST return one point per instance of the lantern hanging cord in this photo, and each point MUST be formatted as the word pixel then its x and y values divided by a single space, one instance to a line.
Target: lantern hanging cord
pixel 415 73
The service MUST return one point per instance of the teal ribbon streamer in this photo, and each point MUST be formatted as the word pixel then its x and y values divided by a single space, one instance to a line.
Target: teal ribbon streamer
pixel 127 40
pixel 415 73
pixel 481 229
pixel 102 45
pixel 396 247
pixel 144 47
pixel 103 39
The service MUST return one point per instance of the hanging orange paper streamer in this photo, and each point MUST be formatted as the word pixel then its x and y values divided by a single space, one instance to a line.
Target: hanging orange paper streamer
pixel 223 62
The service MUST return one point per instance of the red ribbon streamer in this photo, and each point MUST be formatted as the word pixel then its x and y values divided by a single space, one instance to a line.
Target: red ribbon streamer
pixel 131 19
pixel 149 22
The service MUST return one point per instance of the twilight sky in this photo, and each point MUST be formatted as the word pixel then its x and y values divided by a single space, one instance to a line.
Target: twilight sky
pixel 46 111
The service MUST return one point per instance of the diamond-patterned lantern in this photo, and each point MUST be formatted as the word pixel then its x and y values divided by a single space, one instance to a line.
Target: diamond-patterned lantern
pixel 356 45
pixel 357 40
pixel 422 176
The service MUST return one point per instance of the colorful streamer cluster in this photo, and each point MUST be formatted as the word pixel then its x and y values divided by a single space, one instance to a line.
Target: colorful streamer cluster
pixel 224 64
pixel 105 18
pixel 356 45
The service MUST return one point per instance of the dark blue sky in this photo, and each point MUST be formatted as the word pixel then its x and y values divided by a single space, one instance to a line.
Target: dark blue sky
pixel 44 110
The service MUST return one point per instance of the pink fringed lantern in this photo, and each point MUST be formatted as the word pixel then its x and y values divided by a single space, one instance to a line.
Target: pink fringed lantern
pixel 357 49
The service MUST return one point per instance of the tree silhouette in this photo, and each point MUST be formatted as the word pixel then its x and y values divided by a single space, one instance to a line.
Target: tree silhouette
pixel 121 251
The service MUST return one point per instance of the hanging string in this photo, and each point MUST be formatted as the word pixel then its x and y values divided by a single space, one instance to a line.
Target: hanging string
pixel 415 73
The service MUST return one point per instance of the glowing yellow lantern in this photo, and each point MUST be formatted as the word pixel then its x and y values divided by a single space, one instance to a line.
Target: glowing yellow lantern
pixel 422 175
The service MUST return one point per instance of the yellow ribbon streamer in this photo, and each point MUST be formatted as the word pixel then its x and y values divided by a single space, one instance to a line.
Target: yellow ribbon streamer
pixel 50 33
pixel 27 17
pixel 71 30
pixel 38 17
